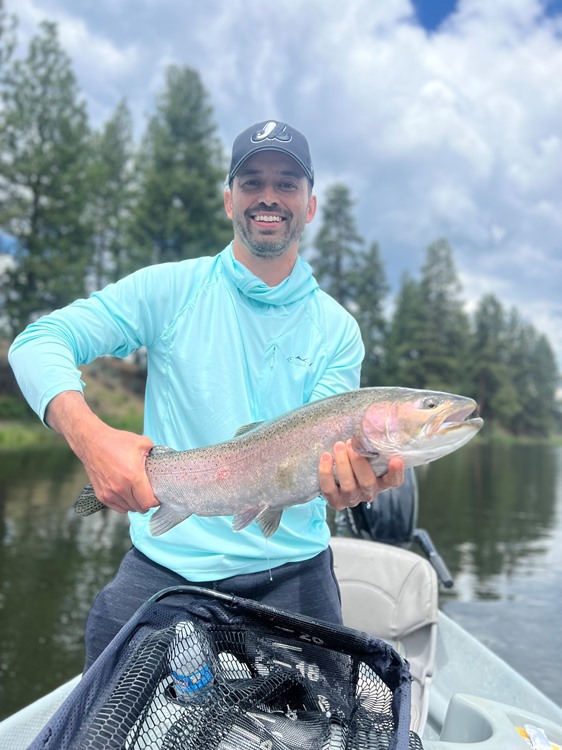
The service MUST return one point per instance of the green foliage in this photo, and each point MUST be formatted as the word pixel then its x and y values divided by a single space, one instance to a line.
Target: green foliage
pixel 179 212
pixel 534 375
pixel 352 275
pixel 445 326
pixel 405 365
pixel 369 288
pixel 12 407
pixel 429 333
pixel 337 244
pixel 490 372
pixel 111 196
pixel 43 158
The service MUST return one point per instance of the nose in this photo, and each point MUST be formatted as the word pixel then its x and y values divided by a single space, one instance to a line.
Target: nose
pixel 268 194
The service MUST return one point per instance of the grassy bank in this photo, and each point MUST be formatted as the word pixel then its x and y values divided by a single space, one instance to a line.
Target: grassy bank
pixel 15 435
pixel 114 390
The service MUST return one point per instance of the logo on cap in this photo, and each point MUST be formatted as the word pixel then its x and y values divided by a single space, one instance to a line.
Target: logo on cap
pixel 272 131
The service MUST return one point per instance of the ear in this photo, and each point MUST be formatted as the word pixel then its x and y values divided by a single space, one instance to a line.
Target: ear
pixel 228 203
pixel 311 209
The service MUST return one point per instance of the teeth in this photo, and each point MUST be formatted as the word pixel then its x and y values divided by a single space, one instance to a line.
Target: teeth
pixel 267 217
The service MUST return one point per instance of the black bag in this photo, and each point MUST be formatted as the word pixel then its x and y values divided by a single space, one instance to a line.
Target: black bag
pixel 199 669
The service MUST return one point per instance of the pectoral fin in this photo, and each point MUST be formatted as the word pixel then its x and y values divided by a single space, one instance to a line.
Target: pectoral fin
pixel 268 521
pixel 165 518
pixel 245 518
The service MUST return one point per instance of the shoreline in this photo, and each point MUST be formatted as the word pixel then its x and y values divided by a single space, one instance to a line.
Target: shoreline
pixel 20 434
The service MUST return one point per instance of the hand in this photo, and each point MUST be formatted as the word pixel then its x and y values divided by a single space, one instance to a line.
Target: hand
pixel 114 460
pixel 356 481
pixel 115 463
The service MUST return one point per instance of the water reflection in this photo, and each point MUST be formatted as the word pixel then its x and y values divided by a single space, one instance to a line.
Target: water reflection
pixel 495 514
pixel 51 566
pixel 493 510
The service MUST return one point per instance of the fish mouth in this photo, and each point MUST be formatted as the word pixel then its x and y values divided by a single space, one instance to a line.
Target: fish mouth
pixel 463 417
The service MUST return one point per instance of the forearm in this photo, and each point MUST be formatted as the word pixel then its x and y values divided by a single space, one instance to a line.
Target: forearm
pixel 70 416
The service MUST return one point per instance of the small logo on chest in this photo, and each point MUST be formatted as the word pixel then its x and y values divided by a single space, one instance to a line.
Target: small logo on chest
pixel 299 361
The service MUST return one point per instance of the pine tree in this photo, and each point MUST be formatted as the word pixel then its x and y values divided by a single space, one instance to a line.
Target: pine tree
pixel 337 245
pixel 111 196
pixel 368 287
pixel 546 381
pixel 446 327
pixel 181 170
pixel 404 344
pixel 490 373
pixel 534 376
pixel 43 168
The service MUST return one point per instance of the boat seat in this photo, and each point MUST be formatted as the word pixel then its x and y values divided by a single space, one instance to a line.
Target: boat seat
pixel 392 593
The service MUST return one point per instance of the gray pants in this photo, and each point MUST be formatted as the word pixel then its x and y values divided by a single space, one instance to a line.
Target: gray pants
pixel 307 588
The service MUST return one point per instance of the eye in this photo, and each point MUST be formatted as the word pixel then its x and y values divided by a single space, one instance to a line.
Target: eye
pixel 430 402
pixel 287 186
pixel 250 184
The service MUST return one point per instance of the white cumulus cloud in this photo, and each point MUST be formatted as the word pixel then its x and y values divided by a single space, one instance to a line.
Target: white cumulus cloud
pixel 454 133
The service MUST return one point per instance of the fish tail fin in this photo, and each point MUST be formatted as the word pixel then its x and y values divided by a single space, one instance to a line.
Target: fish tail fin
pixel 87 502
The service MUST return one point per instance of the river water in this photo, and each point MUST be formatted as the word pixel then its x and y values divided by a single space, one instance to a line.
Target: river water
pixel 494 513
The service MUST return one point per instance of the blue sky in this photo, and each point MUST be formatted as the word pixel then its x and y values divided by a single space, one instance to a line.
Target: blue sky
pixel 444 118
pixel 431 13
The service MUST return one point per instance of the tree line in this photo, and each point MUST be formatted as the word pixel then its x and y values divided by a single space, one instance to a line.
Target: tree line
pixel 80 208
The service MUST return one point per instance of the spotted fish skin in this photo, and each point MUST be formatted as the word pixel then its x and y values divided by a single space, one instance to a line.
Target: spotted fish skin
pixel 273 465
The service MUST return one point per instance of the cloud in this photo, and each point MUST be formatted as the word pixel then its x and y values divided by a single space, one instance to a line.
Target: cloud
pixel 453 133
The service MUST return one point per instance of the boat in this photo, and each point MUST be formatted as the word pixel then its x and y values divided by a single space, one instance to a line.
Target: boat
pixel 464 697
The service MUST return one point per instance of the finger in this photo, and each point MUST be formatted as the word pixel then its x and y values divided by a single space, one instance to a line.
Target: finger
pixel 328 485
pixel 394 476
pixel 366 478
pixel 139 495
pixel 143 495
pixel 112 500
pixel 338 483
pixel 344 471
pixel 326 479
pixel 136 496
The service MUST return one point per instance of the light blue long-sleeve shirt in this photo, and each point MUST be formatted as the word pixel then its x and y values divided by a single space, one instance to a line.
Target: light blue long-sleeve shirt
pixel 224 350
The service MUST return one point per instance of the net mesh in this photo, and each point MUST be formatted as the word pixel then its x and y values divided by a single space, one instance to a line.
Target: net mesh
pixel 244 682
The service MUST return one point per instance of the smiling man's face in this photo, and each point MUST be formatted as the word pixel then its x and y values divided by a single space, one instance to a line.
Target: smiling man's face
pixel 270 203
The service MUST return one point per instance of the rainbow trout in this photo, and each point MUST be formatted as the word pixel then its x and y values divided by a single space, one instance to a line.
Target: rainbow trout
pixel 272 465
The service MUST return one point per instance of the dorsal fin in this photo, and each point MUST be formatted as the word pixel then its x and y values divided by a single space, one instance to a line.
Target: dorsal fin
pixel 159 449
pixel 247 428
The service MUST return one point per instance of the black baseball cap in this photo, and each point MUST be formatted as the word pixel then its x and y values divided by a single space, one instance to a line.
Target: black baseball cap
pixel 271 135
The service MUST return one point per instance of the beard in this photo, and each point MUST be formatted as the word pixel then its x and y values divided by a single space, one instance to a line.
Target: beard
pixel 274 245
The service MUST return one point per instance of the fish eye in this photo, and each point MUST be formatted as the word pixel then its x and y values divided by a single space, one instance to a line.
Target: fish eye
pixel 430 402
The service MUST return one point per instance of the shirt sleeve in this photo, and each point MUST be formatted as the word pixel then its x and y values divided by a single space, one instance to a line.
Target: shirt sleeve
pixel 115 321
pixel 345 352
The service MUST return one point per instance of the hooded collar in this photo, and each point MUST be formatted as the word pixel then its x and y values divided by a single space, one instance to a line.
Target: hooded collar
pixel 299 284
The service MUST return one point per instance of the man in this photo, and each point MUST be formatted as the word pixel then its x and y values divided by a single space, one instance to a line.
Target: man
pixel 232 339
